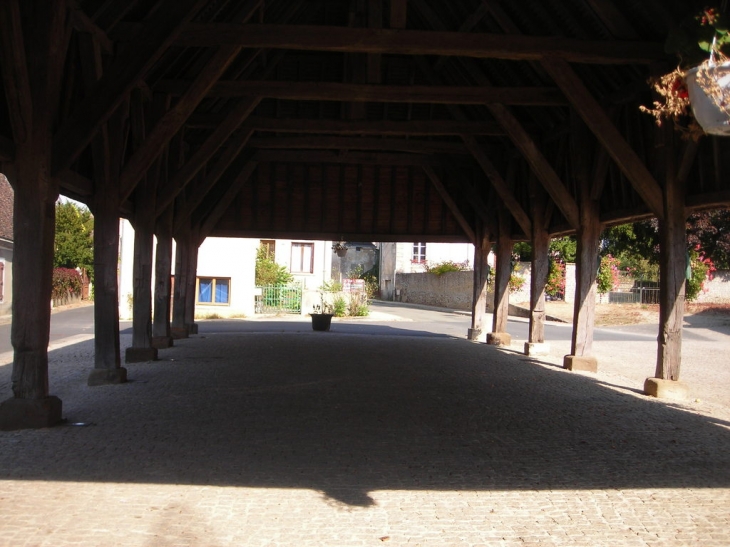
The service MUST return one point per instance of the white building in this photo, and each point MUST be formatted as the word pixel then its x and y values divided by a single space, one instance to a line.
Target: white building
pixel 225 284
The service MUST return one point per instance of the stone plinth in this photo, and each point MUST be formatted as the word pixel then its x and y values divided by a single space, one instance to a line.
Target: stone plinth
pixel 499 339
pixel 476 335
pixel 162 342
pixel 140 355
pixel 179 332
pixel 582 363
pixel 537 348
pixel 666 389
pixel 30 413
pixel 106 376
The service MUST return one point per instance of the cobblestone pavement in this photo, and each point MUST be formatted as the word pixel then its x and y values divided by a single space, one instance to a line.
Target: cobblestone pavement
pixel 327 439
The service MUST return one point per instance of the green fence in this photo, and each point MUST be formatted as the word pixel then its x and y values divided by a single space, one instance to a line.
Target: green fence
pixel 279 299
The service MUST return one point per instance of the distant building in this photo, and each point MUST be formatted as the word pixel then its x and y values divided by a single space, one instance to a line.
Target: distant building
pixel 6 246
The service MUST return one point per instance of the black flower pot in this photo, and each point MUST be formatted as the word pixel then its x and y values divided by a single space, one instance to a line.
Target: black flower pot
pixel 321 321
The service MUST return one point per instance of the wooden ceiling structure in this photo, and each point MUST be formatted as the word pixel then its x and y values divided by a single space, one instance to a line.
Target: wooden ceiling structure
pixel 380 120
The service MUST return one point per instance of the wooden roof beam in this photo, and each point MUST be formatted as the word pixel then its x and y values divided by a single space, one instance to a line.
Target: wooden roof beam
pixel 334 91
pixel 398 13
pixel 228 196
pixel 416 42
pixel 450 203
pixel 83 23
pixel 500 185
pixel 605 131
pixel 16 78
pixel 159 32
pixel 379 127
pixel 336 142
pixel 364 158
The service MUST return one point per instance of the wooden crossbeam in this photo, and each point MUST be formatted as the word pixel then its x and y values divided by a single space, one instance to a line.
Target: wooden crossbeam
pixel 500 185
pixel 358 143
pixel 398 13
pixel 175 118
pixel 284 156
pixel 201 156
pixel 416 42
pixel 84 23
pixel 226 199
pixel 333 91
pixel 159 32
pixel 605 131
pixel 367 127
pixel 450 203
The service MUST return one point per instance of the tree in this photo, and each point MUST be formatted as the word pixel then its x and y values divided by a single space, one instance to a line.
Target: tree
pixel 269 272
pixel 711 231
pixel 74 243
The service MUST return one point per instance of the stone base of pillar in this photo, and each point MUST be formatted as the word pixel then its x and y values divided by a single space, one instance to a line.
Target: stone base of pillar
pixel 583 363
pixel 179 332
pixel 193 328
pixel 537 348
pixel 666 389
pixel 30 413
pixel 140 355
pixel 499 339
pixel 107 376
pixel 162 342
pixel 476 335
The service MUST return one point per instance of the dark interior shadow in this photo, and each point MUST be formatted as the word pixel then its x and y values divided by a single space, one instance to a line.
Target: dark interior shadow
pixel 349 415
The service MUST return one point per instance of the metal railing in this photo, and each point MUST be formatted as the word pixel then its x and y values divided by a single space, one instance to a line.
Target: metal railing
pixel 636 295
pixel 279 299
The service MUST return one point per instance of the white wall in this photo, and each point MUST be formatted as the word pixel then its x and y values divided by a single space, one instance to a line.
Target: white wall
pixel 435 253
pixel 322 261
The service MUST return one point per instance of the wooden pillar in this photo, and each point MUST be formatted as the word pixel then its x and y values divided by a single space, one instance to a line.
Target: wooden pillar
pixel 672 277
pixel 107 362
pixel 179 299
pixel 584 310
pixel 482 247
pixel 535 344
pixel 190 293
pixel 161 335
pixel 141 349
pixel 503 271
pixel 30 54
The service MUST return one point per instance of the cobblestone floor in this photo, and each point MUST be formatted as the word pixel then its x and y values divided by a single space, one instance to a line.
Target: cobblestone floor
pixel 336 440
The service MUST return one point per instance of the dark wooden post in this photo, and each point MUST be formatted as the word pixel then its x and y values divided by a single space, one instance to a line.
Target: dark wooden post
pixel 190 293
pixel 107 362
pixel 30 58
pixel 535 344
pixel 179 300
pixel 481 279
pixel 161 335
pixel 584 311
pixel 672 277
pixel 503 271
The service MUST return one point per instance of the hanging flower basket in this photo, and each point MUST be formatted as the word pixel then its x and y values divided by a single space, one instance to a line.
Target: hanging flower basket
pixel 340 249
pixel 709 94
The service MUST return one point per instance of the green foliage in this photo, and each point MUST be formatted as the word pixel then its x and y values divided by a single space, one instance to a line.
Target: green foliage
pixel 608 274
pixel 711 231
pixel 523 250
pixel 74 240
pixel 339 307
pixel 268 272
pixel 702 269
pixel 555 286
pixel 692 39
pixel 564 248
pixel 440 268
pixel 516 281
pixel 66 284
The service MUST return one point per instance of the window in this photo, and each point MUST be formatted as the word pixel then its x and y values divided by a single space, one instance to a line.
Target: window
pixel 214 290
pixel 302 258
pixel 270 246
pixel 419 253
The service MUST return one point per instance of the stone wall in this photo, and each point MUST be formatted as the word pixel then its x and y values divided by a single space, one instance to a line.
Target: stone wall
pixel 450 290
pixel 717 290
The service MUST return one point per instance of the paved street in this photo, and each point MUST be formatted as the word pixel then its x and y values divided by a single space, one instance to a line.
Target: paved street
pixel 265 433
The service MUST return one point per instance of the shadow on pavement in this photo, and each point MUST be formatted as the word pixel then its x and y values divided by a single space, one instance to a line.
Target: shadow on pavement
pixel 347 415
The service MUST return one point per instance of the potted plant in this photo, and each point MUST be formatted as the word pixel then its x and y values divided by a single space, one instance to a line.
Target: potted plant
pixel 340 248
pixel 699 89
pixel 321 316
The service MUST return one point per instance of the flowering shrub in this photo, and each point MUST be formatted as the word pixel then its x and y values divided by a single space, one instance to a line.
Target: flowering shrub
pixel 440 268
pixel 555 286
pixel 702 269
pixel 608 274
pixel 66 283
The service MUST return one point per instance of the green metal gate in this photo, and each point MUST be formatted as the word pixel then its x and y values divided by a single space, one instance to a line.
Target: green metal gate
pixel 279 299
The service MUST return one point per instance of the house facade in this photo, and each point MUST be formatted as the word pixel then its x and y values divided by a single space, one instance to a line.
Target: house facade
pixel 412 257
pixel 226 275
pixel 6 246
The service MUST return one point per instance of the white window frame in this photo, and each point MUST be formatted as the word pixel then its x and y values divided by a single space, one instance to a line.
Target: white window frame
pixel 418 253
pixel 297 266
